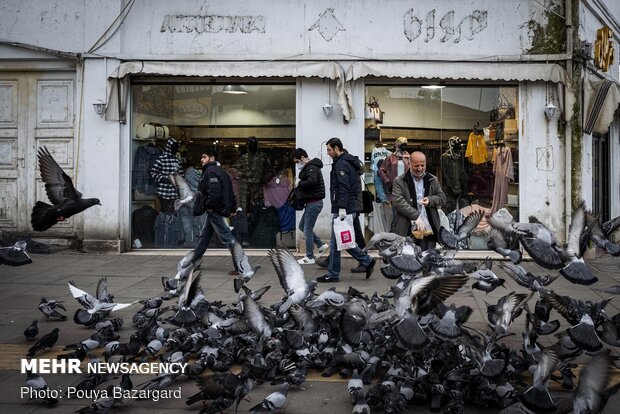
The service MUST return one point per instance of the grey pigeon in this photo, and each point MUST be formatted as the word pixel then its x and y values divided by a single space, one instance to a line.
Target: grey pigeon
pixel 537 397
pixel 96 304
pixel 273 402
pixel 66 200
pixel 48 308
pixel 15 255
pixel 36 382
pixel 501 242
pixel 592 384
pixel 187 197
pixel 291 278
pixel 451 240
pixel 242 265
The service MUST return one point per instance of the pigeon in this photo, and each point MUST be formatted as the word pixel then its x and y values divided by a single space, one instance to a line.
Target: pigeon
pixel 47 341
pixel 101 303
pixel 610 226
pixel 242 265
pixel 592 384
pixel 537 397
pixel 31 331
pixel 186 315
pixel 505 311
pixel 291 278
pixel 545 250
pixel 186 265
pixel 501 243
pixel 66 200
pixel 187 197
pixel 273 402
pixel 15 255
pixel 451 240
pixel 525 278
pixel 597 235
pixel 36 383
pixel 48 308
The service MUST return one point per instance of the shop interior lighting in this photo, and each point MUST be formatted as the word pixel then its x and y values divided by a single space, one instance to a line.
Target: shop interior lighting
pixel 550 110
pixel 435 86
pixel 235 89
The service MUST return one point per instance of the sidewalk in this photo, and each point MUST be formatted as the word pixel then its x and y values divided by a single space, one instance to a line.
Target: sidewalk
pixel 137 276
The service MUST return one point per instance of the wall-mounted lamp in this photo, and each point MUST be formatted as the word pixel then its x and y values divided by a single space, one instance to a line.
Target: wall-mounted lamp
pixel 328 109
pixel 550 110
pixel 235 89
pixel 100 107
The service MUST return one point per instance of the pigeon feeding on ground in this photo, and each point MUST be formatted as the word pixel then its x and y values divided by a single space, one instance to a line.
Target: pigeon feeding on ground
pixel 66 200
pixel 31 331
pixel 47 341
pixel 15 255
pixel 36 383
pixel 48 308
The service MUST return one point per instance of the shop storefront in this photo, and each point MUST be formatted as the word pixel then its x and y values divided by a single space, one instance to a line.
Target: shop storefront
pixel 468 84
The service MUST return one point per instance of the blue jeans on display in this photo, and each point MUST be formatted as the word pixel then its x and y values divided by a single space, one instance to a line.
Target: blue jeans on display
pixel 214 223
pixel 381 195
pixel 333 269
pixel 306 224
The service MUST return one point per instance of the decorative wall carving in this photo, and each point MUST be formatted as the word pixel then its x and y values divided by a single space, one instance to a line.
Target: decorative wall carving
pixel 466 28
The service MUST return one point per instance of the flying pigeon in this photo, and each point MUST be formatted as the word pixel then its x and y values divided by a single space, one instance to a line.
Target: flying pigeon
pixel 101 303
pixel 15 255
pixel 242 265
pixel 451 240
pixel 291 278
pixel 66 200
pixel 187 197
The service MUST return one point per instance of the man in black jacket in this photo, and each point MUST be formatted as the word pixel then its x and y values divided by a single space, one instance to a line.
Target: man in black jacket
pixel 310 194
pixel 345 186
pixel 218 200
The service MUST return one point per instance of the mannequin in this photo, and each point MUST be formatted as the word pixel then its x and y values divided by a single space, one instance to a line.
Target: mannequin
pixel 255 171
pixel 453 173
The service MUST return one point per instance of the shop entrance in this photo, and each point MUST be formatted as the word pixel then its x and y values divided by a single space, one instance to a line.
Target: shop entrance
pixel 470 137
pixel 252 129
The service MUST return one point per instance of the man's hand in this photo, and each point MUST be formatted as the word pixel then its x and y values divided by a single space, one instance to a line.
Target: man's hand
pixel 342 213
pixel 420 224
pixel 424 201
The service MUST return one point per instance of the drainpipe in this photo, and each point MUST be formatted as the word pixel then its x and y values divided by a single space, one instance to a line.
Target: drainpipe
pixel 568 111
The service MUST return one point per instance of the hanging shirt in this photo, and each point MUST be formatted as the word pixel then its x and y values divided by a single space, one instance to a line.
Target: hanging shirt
pixel 476 150
pixel 378 153
pixel 276 191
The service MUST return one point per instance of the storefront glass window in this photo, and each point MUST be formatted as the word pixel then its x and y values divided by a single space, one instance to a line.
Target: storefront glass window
pixel 223 117
pixel 470 137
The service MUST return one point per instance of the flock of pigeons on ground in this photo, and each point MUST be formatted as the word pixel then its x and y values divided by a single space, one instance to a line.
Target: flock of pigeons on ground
pixel 405 348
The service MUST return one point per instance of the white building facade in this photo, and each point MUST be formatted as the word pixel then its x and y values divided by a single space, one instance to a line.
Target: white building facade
pixel 57 60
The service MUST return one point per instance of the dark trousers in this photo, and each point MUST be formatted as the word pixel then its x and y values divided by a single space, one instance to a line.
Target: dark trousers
pixel 359 233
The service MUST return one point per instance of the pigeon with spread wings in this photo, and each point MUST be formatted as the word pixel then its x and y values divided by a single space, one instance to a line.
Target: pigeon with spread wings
pixel 66 200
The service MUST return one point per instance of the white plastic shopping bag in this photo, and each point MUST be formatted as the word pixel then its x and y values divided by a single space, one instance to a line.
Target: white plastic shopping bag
pixel 345 235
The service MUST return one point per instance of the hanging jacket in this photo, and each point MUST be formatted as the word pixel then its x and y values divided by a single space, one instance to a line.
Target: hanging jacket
pixel 311 186
pixel 141 179
pixel 344 183
pixel 166 165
